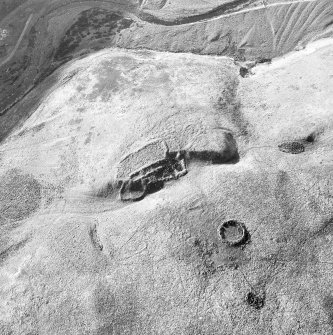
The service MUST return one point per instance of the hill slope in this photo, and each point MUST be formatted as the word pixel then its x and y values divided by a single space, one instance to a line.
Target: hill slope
pixel 76 260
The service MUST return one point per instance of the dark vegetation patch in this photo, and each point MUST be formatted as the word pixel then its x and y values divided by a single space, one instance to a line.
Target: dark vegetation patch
pixel 232 258
pixel 109 81
pixel 5 329
pixel 195 249
pixel 311 138
pixel 93 26
pixel 229 104
pixel 20 195
pixel 116 309
pixel 244 72
pixel 204 251
pixel 328 307
pixel 255 299
pixel 264 60
pixel 291 147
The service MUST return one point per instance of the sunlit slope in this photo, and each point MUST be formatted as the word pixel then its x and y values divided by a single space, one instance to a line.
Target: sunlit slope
pixel 75 260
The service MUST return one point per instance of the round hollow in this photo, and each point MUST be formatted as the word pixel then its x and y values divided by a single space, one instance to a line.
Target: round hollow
pixel 291 147
pixel 254 300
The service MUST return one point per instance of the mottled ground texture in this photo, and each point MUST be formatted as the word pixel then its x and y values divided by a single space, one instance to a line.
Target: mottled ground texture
pixel 241 244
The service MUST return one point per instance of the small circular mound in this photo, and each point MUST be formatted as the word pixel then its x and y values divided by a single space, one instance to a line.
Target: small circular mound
pixel 255 300
pixel 20 195
pixel 233 232
pixel 291 147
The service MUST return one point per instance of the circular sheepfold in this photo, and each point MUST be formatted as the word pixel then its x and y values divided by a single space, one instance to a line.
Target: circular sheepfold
pixel 291 147
pixel 233 233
